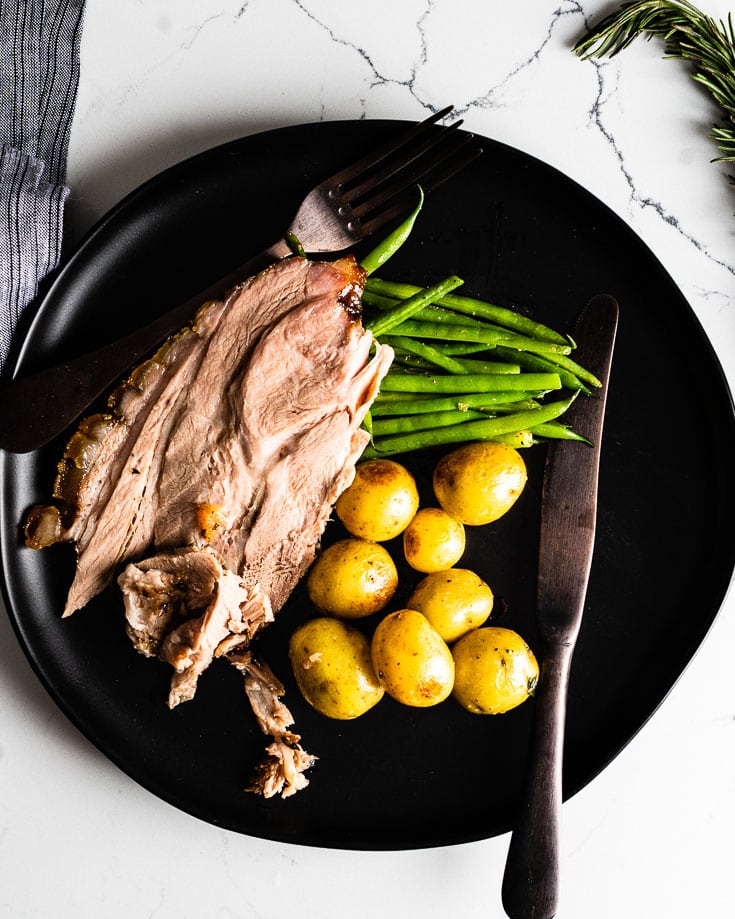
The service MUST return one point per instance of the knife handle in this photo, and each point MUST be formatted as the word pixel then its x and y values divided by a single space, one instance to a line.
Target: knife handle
pixel 531 879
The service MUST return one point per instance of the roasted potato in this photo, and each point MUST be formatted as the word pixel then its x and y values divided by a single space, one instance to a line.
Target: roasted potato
pixel 333 668
pixel 495 671
pixel 454 601
pixel 352 578
pixel 479 482
pixel 433 541
pixel 411 660
pixel 380 502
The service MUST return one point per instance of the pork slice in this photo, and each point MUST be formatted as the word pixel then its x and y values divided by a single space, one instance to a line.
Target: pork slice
pixel 274 339
pixel 117 501
pixel 120 523
pixel 285 536
pixel 285 440
pixel 130 406
pixel 98 450
pixel 183 605
pixel 165 590
pixel 103 487
pixel 191 648
pixel 311 466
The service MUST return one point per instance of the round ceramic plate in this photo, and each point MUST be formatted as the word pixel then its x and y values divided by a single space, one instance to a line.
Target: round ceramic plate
pixel 520 234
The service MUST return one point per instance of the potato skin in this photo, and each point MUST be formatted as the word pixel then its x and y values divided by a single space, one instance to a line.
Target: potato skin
pixel 479 482
pixel 411 659
pixel 454 601
pixel 495 671
pixel 333 668
pixel 433 541
pixel 380 502
pixel 352 578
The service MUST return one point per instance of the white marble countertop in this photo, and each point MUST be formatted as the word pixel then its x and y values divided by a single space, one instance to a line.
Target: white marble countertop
pixel 652 835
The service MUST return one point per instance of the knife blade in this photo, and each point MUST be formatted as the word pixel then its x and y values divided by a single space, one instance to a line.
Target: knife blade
pixel 567 535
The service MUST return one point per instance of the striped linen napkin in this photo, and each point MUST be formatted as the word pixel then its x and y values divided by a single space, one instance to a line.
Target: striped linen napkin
pixel 39 73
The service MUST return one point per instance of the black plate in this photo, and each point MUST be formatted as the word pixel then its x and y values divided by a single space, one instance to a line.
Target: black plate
pixel 521 234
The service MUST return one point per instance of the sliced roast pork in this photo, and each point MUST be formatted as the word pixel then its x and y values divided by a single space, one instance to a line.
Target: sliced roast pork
pixel 208 484
pixel 182 606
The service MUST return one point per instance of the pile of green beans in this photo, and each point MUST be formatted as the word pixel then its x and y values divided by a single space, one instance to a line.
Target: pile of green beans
pixel 464 369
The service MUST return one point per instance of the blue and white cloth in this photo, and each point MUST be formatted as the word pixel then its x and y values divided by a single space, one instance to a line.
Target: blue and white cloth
pixel 39 74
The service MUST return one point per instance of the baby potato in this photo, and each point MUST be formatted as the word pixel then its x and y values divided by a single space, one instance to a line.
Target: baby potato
pixel 495 671
pixel 433 541
pixel 380 502
pixel 352 578
pixel 454 601
pixel 333 669
pixel 411 660
pixel 479 482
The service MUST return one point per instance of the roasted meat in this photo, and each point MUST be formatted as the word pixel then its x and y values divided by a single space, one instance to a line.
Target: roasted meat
pixel 207 485
pixel 282 770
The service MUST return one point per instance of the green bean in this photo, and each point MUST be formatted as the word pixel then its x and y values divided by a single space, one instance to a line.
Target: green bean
pixel 482 382
pixel 426 357
pixel 404 424
pixel 460 348
pixel 393 242
pixel 502 315
pixel 294 244
pixel 557 431
pixel 430 313
pixel 504 408
pixel 486 429
pixel 408 404
pixel 573 375
pixel 437 314
pixel 476 333
pixel 431 355
pixel 566 363
pixel 370 298
pixel 543 364
pixel 391 319
pixel 401 396
pixel 518 439
pixel 469 365
pixel 402 360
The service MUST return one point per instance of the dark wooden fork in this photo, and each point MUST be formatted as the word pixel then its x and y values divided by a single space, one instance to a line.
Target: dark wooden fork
pixel 335 215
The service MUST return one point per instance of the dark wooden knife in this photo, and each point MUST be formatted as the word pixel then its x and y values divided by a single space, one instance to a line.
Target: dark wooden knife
pixel 568 517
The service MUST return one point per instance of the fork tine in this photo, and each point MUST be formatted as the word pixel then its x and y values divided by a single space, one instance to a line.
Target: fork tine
pixel 353 194
pixel 413 173
pixel 402 203
pixel 465 154
pixel 356 170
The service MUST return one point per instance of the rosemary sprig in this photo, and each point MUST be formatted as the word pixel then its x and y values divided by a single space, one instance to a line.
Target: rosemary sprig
pixel 689 35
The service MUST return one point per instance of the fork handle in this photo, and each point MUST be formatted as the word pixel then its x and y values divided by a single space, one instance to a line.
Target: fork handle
pixel 35 409
pixel 531 880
